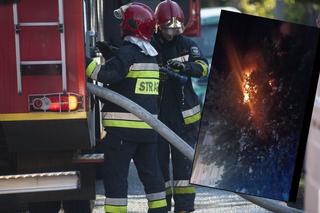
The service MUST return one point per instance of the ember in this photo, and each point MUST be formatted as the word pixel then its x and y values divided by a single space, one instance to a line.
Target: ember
pixel 249 90
pixel 246 88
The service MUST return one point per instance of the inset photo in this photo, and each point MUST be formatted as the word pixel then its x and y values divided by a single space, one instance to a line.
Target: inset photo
pixel 258 106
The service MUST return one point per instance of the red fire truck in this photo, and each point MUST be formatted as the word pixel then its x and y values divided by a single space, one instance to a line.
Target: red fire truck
pixel 46 115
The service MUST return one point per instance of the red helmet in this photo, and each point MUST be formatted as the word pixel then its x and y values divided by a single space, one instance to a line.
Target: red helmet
pixel 137 20
pixel 170 17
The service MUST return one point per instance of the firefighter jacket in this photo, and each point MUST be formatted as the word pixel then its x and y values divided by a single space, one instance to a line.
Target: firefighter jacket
pixel 173 94
pixel 134 75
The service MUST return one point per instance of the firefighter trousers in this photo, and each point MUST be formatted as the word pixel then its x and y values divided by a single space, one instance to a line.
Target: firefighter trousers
pixel 178 188
pixel 118 154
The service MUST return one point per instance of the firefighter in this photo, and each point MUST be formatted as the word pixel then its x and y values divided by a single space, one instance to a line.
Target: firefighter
pixel 134 73
pixel 179 104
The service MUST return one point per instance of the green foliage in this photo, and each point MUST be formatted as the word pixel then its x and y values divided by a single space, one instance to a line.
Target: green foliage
pixel 294 11
pixel 298 11
pixel 259 7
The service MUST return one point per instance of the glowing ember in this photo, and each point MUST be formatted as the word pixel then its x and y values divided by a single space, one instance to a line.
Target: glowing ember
pixel 246 88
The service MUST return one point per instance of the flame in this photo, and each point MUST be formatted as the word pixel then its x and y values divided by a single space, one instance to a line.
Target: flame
pixel 249 90
pixel 246 88
pixel 242 67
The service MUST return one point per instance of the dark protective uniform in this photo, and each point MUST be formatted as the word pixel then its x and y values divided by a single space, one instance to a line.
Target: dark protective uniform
pixel 180 111
pixel 136 76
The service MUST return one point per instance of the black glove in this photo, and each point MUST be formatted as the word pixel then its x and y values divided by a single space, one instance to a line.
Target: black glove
pixel 176 65
pixel 106 49
pixel 168 73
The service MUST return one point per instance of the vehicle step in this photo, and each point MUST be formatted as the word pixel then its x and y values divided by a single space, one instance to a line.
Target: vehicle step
pixel 39 182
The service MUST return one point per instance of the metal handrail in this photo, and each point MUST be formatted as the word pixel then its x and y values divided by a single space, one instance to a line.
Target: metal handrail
pixel 176 141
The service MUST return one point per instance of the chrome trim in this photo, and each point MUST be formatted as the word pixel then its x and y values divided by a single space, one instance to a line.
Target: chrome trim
pixel 39 62
pixel 63 47
pixel 38 24
pixel 17 43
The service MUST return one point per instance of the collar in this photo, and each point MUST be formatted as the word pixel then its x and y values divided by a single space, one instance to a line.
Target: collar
pixel 145 46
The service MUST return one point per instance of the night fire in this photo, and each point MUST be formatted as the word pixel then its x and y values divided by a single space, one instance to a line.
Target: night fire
pixel 249 90
pixel 246 88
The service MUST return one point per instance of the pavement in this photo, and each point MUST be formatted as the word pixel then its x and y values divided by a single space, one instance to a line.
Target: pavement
pixel 207 199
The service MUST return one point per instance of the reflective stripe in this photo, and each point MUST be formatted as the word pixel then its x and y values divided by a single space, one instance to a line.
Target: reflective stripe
pixel 192 119
pixel 143 74
pixel 190 112
pixel 122 116
pixel 126 124
pixel 156 196
pixel 168 184
pixel 93 69
pixel 184 190
pixel 177 183
pixel 116 201
pixel 90 68
pixel 183 58
pixel 147 86
pixel 124 120
pixel 157 204
pixel 192 115
pixel 205 68
pixel 115 209
pixel 144 66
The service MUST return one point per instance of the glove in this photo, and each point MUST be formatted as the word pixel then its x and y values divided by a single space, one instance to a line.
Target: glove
pixel 106 49
pixel 168 73
pixel 177 66
pixel 163 74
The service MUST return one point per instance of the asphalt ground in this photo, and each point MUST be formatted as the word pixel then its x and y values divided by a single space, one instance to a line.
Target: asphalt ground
pixel 207 199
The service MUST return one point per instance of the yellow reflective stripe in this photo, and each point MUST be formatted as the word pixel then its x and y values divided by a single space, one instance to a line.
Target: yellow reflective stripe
pixel 184 190
pixel 192 118
pixel 90 68
pixel 126 124
pixel 36 116
pixel 147 86
pixel 205 68
pixel 115 209
pixel 143 74
pixel 157 204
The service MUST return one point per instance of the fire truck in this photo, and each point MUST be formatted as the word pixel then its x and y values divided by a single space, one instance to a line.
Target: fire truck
pixel 48 120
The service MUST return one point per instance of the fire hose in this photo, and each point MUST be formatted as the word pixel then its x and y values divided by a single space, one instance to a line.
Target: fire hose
pixel 175 140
